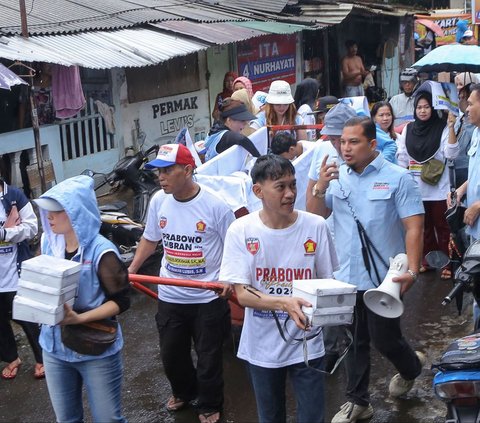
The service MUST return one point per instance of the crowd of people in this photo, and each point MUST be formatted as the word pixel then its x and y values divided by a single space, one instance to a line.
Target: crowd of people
pixel 370 170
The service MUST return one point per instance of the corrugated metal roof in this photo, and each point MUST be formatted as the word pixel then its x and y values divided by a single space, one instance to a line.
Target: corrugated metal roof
pixel 272 27
pixel 206 13
pixel 67 16
pixel 331 12
pixel 215 33
pixel 134 47
pixel 272 6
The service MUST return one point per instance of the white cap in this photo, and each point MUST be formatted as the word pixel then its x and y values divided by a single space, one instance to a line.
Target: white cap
pixel 468 33
pixel 48 204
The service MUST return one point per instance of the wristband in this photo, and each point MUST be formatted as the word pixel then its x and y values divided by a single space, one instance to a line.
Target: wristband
pixel 413 274
pixel 317 193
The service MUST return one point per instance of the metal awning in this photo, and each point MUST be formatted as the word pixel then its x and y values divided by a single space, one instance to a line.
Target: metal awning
pixel 135 47
pixel 215 33
pixel 272 27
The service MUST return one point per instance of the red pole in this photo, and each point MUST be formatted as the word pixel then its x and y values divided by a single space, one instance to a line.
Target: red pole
pixel 137 280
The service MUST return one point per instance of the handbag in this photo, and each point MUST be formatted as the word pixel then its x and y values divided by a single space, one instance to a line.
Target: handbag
pixel 432 171
pixel 92 338
pixel 454 216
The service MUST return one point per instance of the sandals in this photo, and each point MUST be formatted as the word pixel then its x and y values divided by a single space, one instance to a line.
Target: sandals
pixel 175 404
pixel 10 372
pixel 446 274
pixel 209 417
pixel 39 372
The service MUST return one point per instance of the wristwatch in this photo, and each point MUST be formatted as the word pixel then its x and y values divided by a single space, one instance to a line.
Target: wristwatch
pixel 413 274
pixel 316 192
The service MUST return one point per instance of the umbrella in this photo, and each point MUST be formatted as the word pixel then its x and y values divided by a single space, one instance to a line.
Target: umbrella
pixel 9 78
pixel 432 26
pixel 449 58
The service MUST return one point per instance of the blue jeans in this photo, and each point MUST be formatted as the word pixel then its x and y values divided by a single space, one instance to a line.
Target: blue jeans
pixel 103 382
pixel 308 387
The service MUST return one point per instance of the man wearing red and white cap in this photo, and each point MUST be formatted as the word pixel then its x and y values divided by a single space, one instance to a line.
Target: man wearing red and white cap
pixel 191 221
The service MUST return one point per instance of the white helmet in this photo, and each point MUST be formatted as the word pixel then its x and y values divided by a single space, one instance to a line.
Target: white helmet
pixel 409 74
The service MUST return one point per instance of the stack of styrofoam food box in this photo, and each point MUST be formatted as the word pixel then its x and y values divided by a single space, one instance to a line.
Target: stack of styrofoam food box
pixel 46 283
pixel 332 301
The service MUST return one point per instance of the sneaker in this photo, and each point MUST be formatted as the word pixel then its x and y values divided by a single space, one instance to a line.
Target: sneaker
pixel 350 413
pixel 400 386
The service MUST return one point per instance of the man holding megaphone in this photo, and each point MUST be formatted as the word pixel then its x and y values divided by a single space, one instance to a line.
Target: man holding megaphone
pixel 377 214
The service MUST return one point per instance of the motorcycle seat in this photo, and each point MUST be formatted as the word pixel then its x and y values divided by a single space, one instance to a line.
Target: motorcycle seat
pixel 116 206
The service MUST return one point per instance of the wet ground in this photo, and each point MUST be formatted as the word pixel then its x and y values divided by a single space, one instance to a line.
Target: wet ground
pixel 427 324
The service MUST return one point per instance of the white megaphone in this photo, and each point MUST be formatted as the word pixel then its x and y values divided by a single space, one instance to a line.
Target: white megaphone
pixel 385 300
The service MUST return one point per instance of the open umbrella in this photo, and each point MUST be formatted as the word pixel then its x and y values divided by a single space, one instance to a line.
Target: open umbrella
pixel 449 58
pixel 9 78
pixel 432 26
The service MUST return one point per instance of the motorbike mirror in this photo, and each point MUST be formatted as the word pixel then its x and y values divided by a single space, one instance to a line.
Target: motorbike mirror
pixel 437 259
pixel 88 172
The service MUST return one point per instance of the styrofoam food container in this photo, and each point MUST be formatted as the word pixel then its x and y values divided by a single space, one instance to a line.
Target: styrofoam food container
pixel 331 316
pixel 45 294
pixel 325 292
pixel 36 312
pixel 51 271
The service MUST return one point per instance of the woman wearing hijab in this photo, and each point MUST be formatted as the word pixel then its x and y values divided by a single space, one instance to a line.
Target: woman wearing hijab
pixel 426 138
pixel 226 93
pixel 305 97
pixel 242 82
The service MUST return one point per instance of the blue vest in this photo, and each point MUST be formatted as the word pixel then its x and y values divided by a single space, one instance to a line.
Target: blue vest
pixel 90 295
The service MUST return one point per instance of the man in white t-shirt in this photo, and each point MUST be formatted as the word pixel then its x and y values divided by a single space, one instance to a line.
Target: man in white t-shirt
pixel 264 252
pixel 191 221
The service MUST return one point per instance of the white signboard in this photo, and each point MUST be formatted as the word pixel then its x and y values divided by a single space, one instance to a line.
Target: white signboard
pixel 161 119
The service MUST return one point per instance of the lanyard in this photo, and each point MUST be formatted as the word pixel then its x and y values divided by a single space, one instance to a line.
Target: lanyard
pixel 368 249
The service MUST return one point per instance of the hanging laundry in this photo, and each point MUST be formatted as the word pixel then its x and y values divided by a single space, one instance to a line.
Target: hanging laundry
pixel 67 92
pixel 106 112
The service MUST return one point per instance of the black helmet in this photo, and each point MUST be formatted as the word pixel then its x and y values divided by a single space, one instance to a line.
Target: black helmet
pixel 409 74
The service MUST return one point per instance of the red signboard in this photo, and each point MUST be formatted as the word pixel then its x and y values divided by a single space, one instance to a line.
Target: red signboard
pixel 265 59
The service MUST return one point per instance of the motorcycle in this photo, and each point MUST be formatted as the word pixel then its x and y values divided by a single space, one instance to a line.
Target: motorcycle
pixel 117 226
pixel 457 382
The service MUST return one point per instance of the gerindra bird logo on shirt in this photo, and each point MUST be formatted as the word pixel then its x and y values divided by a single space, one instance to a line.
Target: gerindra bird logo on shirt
pixel 163 222
pixel 253 245
pixel 201 226
pixel 310 246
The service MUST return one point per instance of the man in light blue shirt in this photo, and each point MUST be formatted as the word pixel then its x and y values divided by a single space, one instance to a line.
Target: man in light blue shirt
pixel 386 200
pixel 472 186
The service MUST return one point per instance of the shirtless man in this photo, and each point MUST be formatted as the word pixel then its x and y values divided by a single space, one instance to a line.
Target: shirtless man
pixel 353 71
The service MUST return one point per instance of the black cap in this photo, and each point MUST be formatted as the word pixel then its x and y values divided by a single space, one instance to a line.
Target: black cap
pixel 326 103
pixel 238 113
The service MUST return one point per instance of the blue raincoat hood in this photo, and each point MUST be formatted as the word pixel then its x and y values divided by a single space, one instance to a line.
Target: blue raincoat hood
pixel 77 197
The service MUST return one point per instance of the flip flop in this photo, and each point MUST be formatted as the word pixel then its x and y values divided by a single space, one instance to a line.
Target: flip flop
pixel 175 404
pixel 446 274
pixel 10 372
pixel 39 372
pixel 209 417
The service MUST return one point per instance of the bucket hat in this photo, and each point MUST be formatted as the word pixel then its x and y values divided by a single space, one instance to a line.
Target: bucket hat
pixel 279 93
